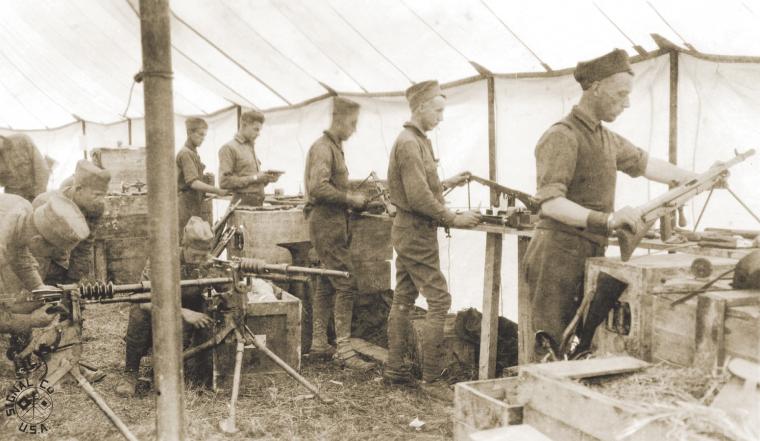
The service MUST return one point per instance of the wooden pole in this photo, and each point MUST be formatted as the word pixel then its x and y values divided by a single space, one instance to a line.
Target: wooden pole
pixel 673 109
pixel 162 209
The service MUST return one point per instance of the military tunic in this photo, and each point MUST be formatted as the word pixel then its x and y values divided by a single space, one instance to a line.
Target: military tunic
pixel 23 169
pixel 18 267
pixel 189 169
pixel 237 162
pixel 577 158
pixel 416 191
pixel 326 179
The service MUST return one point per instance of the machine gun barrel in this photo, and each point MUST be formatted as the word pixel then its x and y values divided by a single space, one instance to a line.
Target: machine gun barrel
pixel 258 266
pixel 107 292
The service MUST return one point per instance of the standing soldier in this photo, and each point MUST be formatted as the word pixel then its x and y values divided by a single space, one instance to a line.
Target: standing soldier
pixel 23 170
pixel 239 168
pixel 577 160
pixel 87 189
pixel 190 169
pixel 417 193
pixel 326 180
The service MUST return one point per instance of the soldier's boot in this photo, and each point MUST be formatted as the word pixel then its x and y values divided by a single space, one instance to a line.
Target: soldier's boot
pixel 127 386
pixel 433 384
pixel 320 348
pixel 395 371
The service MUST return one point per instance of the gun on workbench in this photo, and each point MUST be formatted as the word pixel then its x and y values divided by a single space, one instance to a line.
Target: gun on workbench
pixel 667 203
pixel 510 193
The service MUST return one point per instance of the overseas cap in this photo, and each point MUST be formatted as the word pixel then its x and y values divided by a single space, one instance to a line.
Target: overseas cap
pixel 195 123
pixel 90 175
pixel 61 223
pixel 197 234
pixel 422 92
pixel 344 106
pixel 586 72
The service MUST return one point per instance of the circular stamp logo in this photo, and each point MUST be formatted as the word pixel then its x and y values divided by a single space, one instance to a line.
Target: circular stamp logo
pixel 31 403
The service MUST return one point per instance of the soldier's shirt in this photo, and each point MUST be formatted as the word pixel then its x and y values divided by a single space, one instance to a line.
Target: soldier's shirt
pixel 238 161
pixel 578 159
pixel 326 174
pixel 23 170
pixel 189 169
pixel 18 267
pixel 413 179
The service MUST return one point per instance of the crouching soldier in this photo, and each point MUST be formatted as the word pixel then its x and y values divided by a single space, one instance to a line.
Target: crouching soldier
pixel 196 245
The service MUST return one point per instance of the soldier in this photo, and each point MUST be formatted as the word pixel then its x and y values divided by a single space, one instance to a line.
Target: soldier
pixel 577 160
pixel 192 188
pixel 196 245
pixel 417 193
pixel 87 189
pixel 326 180
pixel 239 168
pixel 23 170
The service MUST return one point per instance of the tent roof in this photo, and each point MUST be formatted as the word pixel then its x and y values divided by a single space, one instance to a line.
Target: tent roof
pixel 66 61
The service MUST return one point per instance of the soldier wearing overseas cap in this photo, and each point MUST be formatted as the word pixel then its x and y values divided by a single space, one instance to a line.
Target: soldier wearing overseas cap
pixel 417 193
pixel 87 189
pixel 239 168
pixel 577 160
pixel 326 180
pixel 190 169
pixel 23 169
pixel 55 227
pixel 194 253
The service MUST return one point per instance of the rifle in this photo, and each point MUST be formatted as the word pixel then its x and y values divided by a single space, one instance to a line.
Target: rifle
pixel 511 194
pixel 670 201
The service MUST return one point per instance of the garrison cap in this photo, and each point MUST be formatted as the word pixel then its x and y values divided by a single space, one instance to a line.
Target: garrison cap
pixel 90 175
pixel 344 106
pixel 422 92
pixel 251 116
pixel 586 72
pixel 195 123
pixel 197 235
pixel 61 223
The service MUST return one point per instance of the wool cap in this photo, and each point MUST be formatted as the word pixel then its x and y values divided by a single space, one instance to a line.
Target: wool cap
pixel 61 223
pixel 197 234
pixel 90 175
pixel 422 92
pixel 586 72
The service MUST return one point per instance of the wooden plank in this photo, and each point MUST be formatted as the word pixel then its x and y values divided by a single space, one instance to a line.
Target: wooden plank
pixel 491 292
pixel 710 341
pixel 517 432
pixel 594 367
pixel 370 350
pixel 485 404
pixel 525 337
pixel 554 429
pixel 742 333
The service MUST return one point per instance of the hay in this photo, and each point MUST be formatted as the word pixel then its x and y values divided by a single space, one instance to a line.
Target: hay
pixel 678 397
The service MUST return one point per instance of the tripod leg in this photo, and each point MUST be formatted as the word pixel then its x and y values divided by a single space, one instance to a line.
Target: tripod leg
pixel 228 425
pixel 94 396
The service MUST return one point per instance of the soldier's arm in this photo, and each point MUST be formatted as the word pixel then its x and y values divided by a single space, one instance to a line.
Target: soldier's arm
pixel 318 182
pixel 414 179
pixel 24 265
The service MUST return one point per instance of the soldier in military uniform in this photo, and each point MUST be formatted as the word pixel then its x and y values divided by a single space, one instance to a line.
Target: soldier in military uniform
pixel 326 179
pixel 194 253
pixel 417 193
pixel 87 189
pixel 23 169
pixel 192 189
pixel 239 167
pixel 577 160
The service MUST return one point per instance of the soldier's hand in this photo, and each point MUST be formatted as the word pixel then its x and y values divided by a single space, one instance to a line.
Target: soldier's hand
pixel 272 176
pixel 626 216
pixel 197 320
pixel 39 318
pixel 457 180
pixel 356 200
pixel 222 192
pixel 468 219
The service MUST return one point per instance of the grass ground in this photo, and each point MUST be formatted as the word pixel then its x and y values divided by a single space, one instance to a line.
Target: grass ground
pixel 271 407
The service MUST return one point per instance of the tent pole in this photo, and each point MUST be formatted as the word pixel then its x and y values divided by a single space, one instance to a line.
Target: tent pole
pixel 162 209
pixel 673 111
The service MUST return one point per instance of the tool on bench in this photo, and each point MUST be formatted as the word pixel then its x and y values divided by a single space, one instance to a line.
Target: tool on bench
pixel 510 216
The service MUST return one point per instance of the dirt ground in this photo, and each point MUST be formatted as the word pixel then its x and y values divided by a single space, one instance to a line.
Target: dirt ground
pixel 271 407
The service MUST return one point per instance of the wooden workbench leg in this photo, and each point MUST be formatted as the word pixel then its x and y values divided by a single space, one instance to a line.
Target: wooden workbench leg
pixel 525 338
pixel 489 330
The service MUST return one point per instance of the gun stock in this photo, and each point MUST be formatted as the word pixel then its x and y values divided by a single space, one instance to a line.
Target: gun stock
pixel 628 240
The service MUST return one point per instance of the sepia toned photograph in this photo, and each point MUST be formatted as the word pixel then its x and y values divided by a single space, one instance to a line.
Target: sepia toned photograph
pixel 392 220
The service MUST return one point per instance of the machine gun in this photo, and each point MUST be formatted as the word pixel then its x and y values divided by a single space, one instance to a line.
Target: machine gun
pixel 511 194
pixel 664 205
pixel 59 347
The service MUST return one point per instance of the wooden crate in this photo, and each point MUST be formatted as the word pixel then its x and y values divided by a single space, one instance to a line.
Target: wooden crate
pixel 127 167
pixel 644 275
pixel 280 323
pixel 485 404
pixel 121 239
pixel 263 230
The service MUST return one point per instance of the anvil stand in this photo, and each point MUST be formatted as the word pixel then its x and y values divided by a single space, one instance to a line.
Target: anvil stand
pixel 235 319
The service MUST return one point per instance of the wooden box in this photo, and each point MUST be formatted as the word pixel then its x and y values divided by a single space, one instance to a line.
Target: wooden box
pixel 121 239
pixel 280 323
pixel 485 404
pixel 127 167
pixel 644 275
pixel 263 229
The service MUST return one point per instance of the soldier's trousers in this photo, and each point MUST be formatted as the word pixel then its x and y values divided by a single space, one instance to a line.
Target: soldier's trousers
pixel 328 229
pixel 418 271
pixel 555 266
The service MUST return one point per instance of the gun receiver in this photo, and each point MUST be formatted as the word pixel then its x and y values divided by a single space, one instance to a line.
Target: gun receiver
pixel 527 200
pixel 671 200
